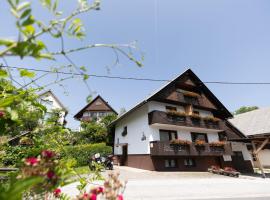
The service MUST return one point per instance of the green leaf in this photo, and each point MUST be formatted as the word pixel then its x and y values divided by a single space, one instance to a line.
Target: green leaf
pixel 83 68
pixel 14 115
pixel 25 13
pixel 29 21
pixel 55 5
pixel 3 73
pixel 29 30
pixel 6 42
pixel 15 13
pixel 26 73
pixel 85 77
pixel 23 5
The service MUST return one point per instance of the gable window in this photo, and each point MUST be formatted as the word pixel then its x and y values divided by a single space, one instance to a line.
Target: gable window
pixel 124 133
pixel 189 162
pixel 171 163
pixel 196 112
pixel 191 100
pixel 170 108
pixel 199 136
pixel 167 135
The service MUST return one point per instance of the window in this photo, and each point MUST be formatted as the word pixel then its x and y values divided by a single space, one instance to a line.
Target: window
pixel 124 133
pixel 167 135
pixel 191 100
pixel 199 136
pixel 171 108
pixel 170 163
pixel 189 162
pixel 222 136
pixel 196 112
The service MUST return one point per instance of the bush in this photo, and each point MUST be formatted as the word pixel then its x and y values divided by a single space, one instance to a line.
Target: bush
pixel 82 153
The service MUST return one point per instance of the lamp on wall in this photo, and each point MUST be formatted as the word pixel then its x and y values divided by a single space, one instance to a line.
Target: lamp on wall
pixel 143 136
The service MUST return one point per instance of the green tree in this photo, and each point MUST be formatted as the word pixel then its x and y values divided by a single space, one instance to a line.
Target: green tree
pixel 245 109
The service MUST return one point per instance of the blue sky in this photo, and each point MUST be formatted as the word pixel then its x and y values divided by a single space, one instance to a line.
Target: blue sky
pixel 223 40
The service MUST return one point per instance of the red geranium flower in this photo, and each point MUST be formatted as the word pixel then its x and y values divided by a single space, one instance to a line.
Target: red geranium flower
pixel 32 161
pixel 50 174
pixel 97 190
pixel 120 197
pixel 47 154
pixel 2 114
pixel 57 192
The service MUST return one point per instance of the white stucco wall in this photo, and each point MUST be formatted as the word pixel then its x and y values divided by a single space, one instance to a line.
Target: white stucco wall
pixel 264 157
pixel 55 105
pixel 154 105
pixel 238 146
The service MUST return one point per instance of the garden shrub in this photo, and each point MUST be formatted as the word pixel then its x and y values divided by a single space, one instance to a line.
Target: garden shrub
pixel 82 153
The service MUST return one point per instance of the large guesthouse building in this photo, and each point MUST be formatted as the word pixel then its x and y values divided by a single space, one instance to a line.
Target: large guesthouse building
pixel 181 127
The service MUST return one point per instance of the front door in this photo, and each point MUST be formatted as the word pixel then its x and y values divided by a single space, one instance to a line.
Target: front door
pixel 124 155
pixel 238 161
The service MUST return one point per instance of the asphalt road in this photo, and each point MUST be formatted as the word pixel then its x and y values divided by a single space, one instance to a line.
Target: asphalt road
pixel 147 185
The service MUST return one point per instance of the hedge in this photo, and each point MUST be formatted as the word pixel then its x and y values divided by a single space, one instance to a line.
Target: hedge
pixel 82 153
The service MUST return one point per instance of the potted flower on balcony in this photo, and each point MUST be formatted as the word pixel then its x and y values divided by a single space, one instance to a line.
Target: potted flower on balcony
pixel 200 145
pixel 179 144
pixel 217 146
pixel 211 121
pixel 176 115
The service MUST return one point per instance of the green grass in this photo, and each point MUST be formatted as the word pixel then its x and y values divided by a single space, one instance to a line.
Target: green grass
pixel 82 170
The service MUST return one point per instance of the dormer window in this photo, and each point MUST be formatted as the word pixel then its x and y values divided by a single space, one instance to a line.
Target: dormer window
pixel 124 133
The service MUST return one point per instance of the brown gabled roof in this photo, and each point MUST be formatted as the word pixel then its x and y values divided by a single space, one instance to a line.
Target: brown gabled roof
pixel 80 113
pixel 190 73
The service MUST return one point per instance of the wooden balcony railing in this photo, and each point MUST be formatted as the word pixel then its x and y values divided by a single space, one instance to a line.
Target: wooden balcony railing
pixel 161 117
pixel 161 148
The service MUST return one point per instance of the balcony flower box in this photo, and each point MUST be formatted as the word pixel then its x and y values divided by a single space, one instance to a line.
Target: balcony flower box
pixel 176 116
pixel 179 145
pixel 210 119
pixel 217 144
pixel 191 94
pixel 194 116
pixel 200 145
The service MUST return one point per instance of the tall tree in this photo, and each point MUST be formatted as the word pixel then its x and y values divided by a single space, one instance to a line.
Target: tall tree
pixel 245 109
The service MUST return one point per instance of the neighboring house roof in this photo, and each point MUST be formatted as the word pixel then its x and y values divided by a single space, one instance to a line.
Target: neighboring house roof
pixel 254 122
pixel 56 99
pixel 194 77
pixel 105 107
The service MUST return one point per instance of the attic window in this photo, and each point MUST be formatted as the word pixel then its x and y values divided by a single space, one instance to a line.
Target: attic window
pixel 124 133
pixel 98 103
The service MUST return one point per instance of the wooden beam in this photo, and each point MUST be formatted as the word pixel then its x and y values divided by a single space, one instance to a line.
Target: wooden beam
pixel 258 159
pixel 262 145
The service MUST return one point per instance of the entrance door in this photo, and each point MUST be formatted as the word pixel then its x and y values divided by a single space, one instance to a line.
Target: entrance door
pixel 124 155
pixel 238 161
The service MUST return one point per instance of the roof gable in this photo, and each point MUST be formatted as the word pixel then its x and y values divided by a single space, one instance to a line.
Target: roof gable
pixel 97 104
pixel 49 92
pixel 190 78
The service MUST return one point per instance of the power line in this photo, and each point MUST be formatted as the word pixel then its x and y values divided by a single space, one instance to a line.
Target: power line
pixel 134 78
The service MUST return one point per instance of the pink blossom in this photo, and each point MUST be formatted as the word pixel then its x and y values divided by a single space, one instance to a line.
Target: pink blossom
pixel 32 161
pixel 57 192
pixel 120 197
pixel 47 154
pixel 2 114
pixel 50 174
pixel 93 196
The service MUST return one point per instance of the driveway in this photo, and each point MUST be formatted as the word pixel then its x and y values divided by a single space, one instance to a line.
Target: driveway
pixel 144 185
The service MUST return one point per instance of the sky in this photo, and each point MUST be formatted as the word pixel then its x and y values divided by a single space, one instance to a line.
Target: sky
pixel 223 40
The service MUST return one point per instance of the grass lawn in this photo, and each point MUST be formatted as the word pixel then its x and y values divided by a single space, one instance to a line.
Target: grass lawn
pixel 82 170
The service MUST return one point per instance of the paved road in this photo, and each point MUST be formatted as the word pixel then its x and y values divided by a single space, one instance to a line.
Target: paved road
pixel 146 185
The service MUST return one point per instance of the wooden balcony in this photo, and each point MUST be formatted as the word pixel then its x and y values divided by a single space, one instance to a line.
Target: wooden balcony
pixel 160 117
pixel 160 148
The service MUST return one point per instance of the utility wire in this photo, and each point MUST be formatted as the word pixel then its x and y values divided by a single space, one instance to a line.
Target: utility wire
pixel 136 79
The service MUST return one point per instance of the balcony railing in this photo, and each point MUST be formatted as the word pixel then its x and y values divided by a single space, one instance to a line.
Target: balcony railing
pixel 161 117
pixel 161 148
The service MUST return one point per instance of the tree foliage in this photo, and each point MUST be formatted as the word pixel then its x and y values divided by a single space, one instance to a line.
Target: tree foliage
pixel 245 109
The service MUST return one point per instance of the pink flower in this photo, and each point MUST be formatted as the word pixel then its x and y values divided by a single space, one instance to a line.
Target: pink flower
pixel 50 175
pixel 57 192
pixel 85 196
pixel 2 114
pixel 93 196
pixel 97 190
pixel 32 161
pixel 47 154
pixel 120 197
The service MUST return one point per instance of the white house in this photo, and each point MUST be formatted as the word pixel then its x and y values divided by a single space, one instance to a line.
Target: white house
pixel 51 102
pixel 182 126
